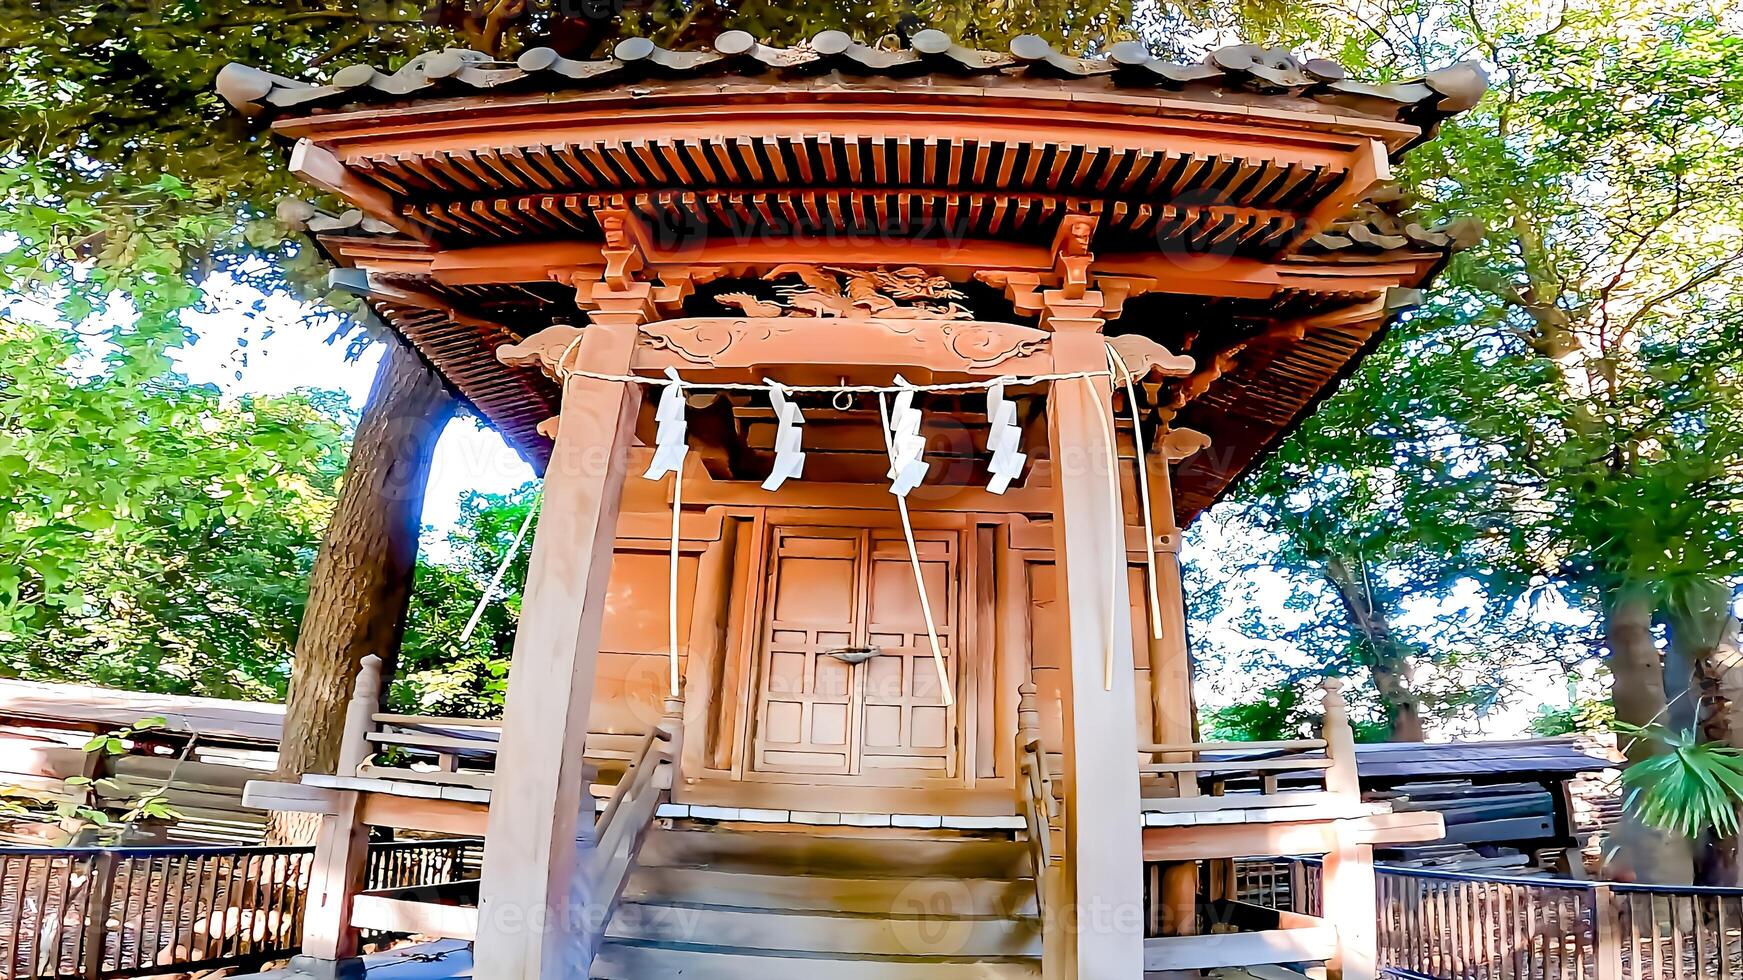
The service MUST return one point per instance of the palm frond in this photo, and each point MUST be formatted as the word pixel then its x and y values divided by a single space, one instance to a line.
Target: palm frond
pixel 1692 788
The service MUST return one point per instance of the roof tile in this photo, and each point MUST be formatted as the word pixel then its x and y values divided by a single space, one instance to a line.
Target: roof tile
pixel 1242 67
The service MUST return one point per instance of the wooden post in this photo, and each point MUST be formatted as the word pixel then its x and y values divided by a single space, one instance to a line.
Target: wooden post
pixel 1170 669
pixel 1104 843
pixel 342 840
pixel 1028 713
pixel 673 723
pixel 1350 899
pixel 1348 893
pixel 1172 721
pixel 354 749
pixel 709 622
pixel 1051 890
pixel 532 897
pixel 99 895
pixel 1340 743
pixel 1608 938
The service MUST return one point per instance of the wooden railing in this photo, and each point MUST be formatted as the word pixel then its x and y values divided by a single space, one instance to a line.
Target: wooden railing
pixel 1452 926
pixel 1035 798
pixel 446 751
pixel 624 824
pixel 1043 818
pixel 1171 772
pixel 126 912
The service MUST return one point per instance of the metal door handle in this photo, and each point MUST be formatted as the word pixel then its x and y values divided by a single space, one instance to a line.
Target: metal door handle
pixel 853 655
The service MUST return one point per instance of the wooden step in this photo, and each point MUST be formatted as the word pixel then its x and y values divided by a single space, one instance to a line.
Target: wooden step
pixel 630 961
pixel 815 932
pixel 843 855
pixel 817 893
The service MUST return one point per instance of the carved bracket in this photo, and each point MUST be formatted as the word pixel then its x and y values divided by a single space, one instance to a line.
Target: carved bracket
pixel 1028 292
pixel 1071 255
pixel 540 350
pixel 1149 361
pixel 1179 444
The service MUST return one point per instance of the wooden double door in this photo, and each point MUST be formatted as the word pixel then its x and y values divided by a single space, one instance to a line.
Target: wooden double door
pixel 846 689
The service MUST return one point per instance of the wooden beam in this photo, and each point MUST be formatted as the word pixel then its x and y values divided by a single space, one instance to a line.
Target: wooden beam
pixel 431 816
pixel 710 628
pixel 520 262
pixel 268 794
pixel 1175 272
pixel 1370 166
pixel 533 899
pixel 1035 497
pixel 1192 129
pixel 1196 842
pixel 1173 720
pixel 1103 847
pixel 414 918
pixel 639 109
pixel 321 168
pixel 1237 949
pixel 954 347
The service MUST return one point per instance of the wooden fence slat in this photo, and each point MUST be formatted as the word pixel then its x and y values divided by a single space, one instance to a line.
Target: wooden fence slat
pixel 1698 919
pixel 93 938
pixel 1607 934
pixel 1676 937
pixel 1721 945
pixel 39 925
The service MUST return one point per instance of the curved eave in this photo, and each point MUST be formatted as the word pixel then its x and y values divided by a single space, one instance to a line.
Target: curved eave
pixel 932 59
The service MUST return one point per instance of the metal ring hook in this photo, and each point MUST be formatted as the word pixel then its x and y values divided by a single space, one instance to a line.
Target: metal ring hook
pixel 843 400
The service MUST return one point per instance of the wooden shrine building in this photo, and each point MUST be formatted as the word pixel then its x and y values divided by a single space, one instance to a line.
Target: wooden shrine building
pixel 789 332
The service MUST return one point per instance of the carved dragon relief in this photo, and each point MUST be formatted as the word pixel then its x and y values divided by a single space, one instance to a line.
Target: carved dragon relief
pixel 908 293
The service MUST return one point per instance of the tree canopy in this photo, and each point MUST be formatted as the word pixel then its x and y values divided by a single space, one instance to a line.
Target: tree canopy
pixel 1562 416
pixel 156 536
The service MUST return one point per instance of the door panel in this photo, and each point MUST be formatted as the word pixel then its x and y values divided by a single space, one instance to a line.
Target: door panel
pixel 907 725
pixel 806 700
pixel 834 589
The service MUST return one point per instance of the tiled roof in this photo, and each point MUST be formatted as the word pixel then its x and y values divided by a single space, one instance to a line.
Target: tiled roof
pixel 1128 64
pixel 1385 222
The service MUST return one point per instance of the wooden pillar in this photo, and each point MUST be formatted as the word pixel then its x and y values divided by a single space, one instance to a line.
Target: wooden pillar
pixel 1349 895
pixel 1171 704
pixel 1343 777
pixel 1104 844
pixel 1349 898
pixel 342 839
pixel 1170 667
pixel 532 900
pixel 709 623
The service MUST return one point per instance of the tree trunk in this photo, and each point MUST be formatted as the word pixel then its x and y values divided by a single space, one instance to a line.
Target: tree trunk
pixel 1642 853
pixel 1391 665
pixel 1704 637
pixel 361 583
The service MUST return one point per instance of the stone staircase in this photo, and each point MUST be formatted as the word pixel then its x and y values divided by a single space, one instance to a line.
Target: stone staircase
pixel 720 904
